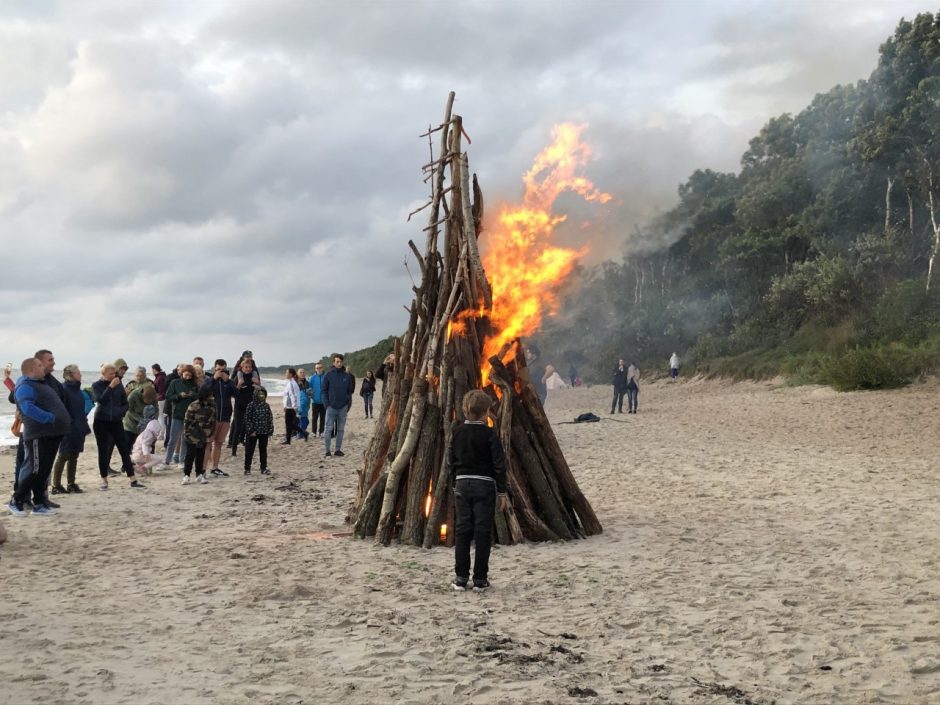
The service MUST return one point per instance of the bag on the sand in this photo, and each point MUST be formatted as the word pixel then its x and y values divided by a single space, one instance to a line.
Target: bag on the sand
pixel 586 417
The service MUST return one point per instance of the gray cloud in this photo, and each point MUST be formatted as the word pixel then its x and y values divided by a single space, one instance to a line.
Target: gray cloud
pixel 181 178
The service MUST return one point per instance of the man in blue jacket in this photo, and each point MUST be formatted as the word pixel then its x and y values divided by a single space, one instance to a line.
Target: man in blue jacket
pixel 337 388
pixel 45 421
pixel 316 400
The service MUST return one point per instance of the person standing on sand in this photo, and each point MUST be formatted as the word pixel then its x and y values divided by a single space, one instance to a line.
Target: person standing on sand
pixel 317 403
pixel 476 461
pixel 181 394
pixel 259 427
pixel 46 420
pixel 367 391
pixel 633 387
pixel 223 391
pixel 674 366
pixel 167 410
pixel 198 426
pixel 303 410
pixel 537 371
pixel 108 426
pixel 573 375
pixel 159 381
pixel 247 381
pixel 291 403
pixel 74 441
pixel 338 388
pixel 620 386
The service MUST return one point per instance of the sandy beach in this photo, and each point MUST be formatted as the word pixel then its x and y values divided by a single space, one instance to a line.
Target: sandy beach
pixel 762 544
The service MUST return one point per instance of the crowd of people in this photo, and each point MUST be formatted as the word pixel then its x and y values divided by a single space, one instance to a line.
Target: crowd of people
pixel 196 414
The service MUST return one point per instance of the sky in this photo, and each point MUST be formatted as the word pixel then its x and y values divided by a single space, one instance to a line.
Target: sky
pixel 181 178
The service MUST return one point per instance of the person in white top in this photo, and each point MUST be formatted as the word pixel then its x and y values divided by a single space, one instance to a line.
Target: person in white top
pixel 291 404
pixel 143 454
pixel 674 366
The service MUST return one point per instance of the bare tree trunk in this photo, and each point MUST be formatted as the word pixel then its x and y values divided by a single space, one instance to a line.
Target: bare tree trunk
pixel 888 189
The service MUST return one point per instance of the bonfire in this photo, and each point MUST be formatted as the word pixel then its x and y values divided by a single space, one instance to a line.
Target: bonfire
pixel 468 318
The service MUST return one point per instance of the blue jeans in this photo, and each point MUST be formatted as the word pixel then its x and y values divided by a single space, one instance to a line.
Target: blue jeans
pixel 176 431
pixel 337 416
pixel 632 393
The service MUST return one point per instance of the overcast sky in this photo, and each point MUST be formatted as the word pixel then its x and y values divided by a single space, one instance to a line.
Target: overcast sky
pixel 204 177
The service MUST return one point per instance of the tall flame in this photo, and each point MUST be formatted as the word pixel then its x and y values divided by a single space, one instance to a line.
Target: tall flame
pixel 522 264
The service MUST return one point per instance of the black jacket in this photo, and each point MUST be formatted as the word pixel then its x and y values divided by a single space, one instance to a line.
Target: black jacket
pixel 475 451
pixel 223 390
pixel 620 379
pixel 111 401
pixel 74 441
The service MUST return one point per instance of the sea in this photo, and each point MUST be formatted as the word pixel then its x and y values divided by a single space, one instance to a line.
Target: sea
pixel 274 385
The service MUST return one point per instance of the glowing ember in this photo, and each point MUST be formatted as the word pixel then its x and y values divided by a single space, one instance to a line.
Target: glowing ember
pixel 443 533
pixel 427 502
pixel 522 264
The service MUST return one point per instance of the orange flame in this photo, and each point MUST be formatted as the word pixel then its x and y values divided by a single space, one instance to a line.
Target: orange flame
pixel 522 264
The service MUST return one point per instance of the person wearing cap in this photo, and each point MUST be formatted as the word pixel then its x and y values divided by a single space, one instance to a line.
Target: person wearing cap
pixel 223 391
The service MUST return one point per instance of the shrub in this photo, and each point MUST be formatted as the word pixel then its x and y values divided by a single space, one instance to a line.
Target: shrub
pixel 870 368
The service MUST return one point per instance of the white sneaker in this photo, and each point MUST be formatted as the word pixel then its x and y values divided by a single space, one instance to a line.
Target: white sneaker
pixel 202 479
pixel 186 480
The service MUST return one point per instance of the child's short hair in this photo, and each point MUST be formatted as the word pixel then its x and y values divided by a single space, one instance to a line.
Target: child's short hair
pixel 476 404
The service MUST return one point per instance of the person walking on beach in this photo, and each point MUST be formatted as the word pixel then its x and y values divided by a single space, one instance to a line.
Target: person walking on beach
pixel 181 394
pixel 291 403
pixel 620 387
pixel 223 392
pixel 45 420
pixel 338 388
pixel 198 426
pixel 259 427
pixel 476 461
pixel 367 391
pixel 633 387
pixel 73 443
pixel 111 405
pixel 674 366
pixel 247 380
pixel 316 400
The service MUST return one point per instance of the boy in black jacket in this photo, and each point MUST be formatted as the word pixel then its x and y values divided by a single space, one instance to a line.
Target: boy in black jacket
pixel 477 465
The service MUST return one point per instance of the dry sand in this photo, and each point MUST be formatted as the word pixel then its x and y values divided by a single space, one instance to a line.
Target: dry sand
pixel 761 545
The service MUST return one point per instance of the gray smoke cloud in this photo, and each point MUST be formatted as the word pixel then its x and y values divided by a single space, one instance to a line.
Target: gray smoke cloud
pixel 197 178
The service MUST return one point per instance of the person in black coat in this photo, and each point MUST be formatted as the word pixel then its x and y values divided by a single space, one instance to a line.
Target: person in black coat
pixel 74 441
pixel 620 386
pixel 367 391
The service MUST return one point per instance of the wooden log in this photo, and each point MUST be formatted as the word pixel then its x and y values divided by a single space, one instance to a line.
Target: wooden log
pixel 426 461
pixel 418 403
pixel 471 234
pixel 368 518
pixel 477 207
pixel 442 479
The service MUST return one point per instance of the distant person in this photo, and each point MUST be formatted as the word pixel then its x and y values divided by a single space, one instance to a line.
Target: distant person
pixel 620 386
pixel 224 393
pixel 338 387
pixel 259 427
pixel 476 461
pixel 198 426
pixel 291 400
pixel 111 405
pixel 159 381
pixel 573 375
pixel 367 391
pixel 167 410
pixel 142 397
pixel 303 411
pixel 317 404
pixel 674 366
pixel 45 421
pixel 633 386
pixel 386 368
pixel 73 443
pixel 537 371
pixel 199 375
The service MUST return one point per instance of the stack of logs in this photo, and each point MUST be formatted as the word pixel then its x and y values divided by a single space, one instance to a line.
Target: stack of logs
pixel 404 491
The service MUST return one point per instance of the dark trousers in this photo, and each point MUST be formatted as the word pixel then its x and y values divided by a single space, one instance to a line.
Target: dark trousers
pixel 18 463
pixel 632 394
pixel 291 424
pixel 475 508
pixel 38 456
pixel 112 432
pixel 617 403
pixel 367 400
pixel 262 443
pixel 195 455
pixel 319 418
pixel 236 432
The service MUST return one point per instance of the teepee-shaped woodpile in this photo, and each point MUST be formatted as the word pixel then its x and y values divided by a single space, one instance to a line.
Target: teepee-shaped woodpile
pixel 404 492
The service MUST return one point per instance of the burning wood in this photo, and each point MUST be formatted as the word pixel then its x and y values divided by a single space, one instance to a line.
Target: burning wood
pixel 456 341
